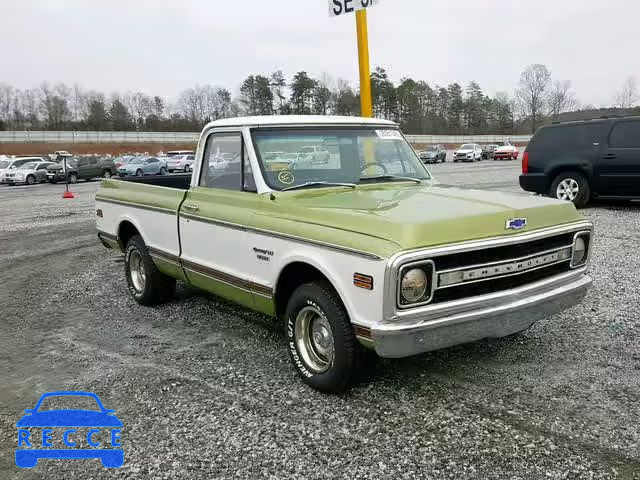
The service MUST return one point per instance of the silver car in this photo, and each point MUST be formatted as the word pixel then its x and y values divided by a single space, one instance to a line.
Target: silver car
pixel 29 173
pixel 180 163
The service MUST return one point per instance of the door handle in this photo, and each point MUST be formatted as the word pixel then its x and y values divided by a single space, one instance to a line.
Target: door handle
pixel 610 156
pixel 191 207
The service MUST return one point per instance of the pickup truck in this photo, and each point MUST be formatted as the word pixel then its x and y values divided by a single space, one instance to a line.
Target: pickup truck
pixel 367 254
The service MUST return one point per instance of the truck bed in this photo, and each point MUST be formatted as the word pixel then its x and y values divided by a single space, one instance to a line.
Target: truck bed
pixel 179 181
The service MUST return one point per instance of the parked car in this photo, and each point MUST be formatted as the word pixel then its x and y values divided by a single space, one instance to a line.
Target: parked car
pixel 433 154
pixel 28 173
pixel 578 161
pixel 469 152
pixel 180 163
pixel 488 151
pixel 506 151
pixel 140 166
pixel 314 154
pixel 82 168
pixel 12 163
pixel 179 153
pixel 406 268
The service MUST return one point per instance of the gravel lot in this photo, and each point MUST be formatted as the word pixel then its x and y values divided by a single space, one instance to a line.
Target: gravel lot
pixel 205 389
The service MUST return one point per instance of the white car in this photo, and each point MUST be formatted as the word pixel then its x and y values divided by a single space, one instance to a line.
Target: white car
pixel 28 173
pixel 469 152
pixel 12 163
pixel 180 163
pixel 314 154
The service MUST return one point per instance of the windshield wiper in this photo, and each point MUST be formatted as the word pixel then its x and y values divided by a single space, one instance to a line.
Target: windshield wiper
pixel 312 184
pixel 392 177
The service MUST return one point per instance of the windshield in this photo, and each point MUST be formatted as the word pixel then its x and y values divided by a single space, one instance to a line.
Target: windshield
pixel 4 164
pixel 28 166
pixel 466 147
pixel 349 155
pixel 430 149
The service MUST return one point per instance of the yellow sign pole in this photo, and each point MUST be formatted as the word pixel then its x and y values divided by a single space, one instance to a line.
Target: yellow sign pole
pixel 363 56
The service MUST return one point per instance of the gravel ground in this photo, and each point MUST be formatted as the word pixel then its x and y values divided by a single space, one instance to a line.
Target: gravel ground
pixel 205 389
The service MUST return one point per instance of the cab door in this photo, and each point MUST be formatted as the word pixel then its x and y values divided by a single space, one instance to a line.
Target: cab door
pixel 619 167
pixel 215 255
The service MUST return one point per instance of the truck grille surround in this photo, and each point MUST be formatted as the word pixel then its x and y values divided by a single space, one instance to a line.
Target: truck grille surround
pixel 494 269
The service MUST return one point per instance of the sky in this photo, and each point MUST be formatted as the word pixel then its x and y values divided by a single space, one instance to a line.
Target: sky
pixel 161 47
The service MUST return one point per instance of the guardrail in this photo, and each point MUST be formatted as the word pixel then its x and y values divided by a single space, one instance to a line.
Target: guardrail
pixel 188 137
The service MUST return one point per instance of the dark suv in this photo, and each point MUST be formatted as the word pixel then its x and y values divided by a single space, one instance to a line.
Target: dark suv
pixel 83 168
pixel 578 161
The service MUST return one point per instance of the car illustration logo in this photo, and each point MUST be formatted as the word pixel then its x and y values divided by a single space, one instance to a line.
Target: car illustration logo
pixel 83 433
pixel 516 223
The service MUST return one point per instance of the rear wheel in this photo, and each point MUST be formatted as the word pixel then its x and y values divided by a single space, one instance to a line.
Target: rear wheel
pixel 572 187
pixel 320 339
pixel 163 171
pixel 147 284
pixel 106 173
pixel 138 173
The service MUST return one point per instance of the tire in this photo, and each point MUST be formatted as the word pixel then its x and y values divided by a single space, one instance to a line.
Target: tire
pixel 139 173
pixel 73 178
pixel 53 181
pixel 163 171
pixel 569 182
pixel 147 284
pixel 187 169
pixel 31 180
pixel 106 173
pixel 318 304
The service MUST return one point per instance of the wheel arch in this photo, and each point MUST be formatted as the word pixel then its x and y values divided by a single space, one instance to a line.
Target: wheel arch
pixel 127 228
pixel 295 273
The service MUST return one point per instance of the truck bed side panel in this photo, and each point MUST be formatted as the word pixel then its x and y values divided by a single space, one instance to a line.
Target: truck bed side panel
pixel 152 210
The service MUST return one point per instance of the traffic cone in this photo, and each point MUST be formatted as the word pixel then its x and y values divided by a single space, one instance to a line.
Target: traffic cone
pixel 68 194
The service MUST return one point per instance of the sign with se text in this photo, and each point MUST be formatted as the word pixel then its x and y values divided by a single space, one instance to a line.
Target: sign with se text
pixel 341 7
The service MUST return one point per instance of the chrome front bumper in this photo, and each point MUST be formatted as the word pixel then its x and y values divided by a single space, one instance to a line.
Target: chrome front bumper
pixel 481 317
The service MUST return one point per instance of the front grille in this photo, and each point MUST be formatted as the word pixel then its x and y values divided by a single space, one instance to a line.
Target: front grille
pixel 481 272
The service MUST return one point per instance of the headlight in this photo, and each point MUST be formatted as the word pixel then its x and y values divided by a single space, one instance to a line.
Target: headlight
pixel 413 285
pixel 580 250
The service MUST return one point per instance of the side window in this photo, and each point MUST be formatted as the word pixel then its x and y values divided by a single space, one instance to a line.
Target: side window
pixel 83 162
pixel 153 160
pixel 625 135
pixel 42 166
pixel 93 161
pixel 221 164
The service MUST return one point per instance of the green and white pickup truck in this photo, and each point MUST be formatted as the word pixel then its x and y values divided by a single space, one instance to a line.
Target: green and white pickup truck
pixel 360 252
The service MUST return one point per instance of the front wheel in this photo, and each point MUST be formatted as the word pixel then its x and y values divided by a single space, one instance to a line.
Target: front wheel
pixel 31 180
pixel 147 284
pixel 106 174
pixel 138 173
pixel 73 178
pixel 320 339
pixel 163 171
pixel 572 187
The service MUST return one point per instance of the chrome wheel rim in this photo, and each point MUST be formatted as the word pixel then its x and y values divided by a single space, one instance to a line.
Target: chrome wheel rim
pixel 136 269
pixel 568 189
pixel 314 339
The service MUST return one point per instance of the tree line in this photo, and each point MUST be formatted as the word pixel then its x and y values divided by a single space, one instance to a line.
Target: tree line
pixel 419 107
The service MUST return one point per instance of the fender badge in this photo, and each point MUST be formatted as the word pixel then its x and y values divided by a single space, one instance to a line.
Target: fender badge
pixel 516 223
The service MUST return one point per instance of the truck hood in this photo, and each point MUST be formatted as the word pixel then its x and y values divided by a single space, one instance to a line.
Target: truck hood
pixel 416 216
pixel 463 151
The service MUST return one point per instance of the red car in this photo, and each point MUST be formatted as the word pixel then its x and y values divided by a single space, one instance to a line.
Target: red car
pixel 506 151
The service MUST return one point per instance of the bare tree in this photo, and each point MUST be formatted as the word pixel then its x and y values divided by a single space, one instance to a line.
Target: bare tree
pixel 561 98
pixel 627 97
pixel 532 93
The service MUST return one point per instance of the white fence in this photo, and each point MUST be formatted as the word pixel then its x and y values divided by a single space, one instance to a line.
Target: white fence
pixel 460 139
pixel 187 137
pixel 98 137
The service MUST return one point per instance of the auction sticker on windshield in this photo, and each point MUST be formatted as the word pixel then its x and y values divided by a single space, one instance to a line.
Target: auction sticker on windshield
pixel 389 134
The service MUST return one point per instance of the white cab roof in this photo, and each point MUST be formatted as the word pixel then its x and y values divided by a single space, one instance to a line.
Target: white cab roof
pixel 299 120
